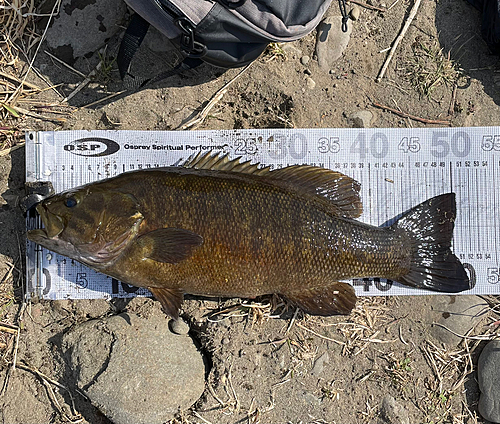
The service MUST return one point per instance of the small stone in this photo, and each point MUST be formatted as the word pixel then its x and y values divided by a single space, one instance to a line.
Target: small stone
pixel 319 364
pixel 331 41
pixel 457 313
pixel 290 48
pixel 355 13
pixel 134 369
pixel 179 326
pixel 305 60
pixel 310 83
pixel 392 412
pixel 307 72
pixel 311 399
pixel 361 119
pixel 488 372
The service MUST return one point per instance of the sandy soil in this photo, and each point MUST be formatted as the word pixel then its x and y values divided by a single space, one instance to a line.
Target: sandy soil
pixel 262 358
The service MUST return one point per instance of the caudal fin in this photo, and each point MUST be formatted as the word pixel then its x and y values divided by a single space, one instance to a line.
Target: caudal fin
pixel 433 265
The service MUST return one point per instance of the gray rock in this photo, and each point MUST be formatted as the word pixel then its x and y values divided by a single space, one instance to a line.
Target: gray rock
pixel 179 326
pixel 355 12
pixel 319 364
pixel 331 41
pixel 488 372
pixel 305 60
pixel 134 369
pixel 458 313
pixel 310 83
pixel 311 399
pixel 84 26
pixel 361 119
pixel 391 412
pixel 292 49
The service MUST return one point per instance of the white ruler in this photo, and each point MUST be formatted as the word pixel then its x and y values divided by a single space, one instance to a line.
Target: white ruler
pixel 397 169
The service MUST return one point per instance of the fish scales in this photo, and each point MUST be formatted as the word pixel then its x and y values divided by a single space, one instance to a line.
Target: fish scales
pixel 220 227
pixel 257 237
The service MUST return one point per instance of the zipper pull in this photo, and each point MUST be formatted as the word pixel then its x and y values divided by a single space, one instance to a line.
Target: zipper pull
pixel 345 16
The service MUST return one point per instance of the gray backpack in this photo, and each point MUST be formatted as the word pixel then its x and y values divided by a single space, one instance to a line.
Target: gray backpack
pixel 224 33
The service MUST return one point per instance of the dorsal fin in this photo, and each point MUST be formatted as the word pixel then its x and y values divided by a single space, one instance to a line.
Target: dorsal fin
pixel 336 191
pixel 221 162
pixel 340 191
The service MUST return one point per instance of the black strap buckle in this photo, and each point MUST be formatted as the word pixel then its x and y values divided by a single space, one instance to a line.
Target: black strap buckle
pixel 189 45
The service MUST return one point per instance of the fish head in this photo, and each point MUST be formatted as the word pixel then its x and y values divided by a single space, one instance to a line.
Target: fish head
pixel 91 224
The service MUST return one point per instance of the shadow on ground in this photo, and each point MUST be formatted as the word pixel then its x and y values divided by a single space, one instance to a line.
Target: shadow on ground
pixel 12 222
pixel 465 44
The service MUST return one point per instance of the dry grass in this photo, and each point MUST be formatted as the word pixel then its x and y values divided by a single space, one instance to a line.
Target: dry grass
pixel 19 43
pixel 430 67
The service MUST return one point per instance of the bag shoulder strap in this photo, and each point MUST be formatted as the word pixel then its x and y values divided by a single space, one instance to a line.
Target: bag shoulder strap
pixel 131 41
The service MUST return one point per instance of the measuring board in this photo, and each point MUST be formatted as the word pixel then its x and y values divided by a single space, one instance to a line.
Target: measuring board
pixel 397 169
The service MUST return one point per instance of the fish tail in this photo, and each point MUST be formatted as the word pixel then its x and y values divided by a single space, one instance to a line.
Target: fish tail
pixel 433 266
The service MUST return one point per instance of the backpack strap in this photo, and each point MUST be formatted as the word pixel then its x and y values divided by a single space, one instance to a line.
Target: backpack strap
pixel 187 64
pixel 131 41
pixel 134 35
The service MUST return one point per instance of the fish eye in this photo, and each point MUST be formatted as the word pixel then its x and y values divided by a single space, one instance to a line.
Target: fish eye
pixel 70 202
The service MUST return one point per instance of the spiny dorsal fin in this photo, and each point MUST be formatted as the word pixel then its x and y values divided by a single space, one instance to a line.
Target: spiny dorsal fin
pixel 221 162
pixel 336 191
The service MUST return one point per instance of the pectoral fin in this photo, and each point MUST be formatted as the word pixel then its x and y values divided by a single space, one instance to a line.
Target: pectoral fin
pixel 169 245
pixel 334 299
pixel 170 299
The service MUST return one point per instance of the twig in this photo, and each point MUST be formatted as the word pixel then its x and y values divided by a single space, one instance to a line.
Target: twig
pixel 481 337
pixel 392 5
pixel 229 378
pixel 415 118
pixel 320 336
pixel 198 120
pixel 76 71
pixel 36 115
pixel 13 78
pixel 11 149
pixel 103 99
pixel 212 392
pixel 398 39
pixel 83 84
pixel 46 380
pixel 292 320
pixel 368 6
pixel 9 329
pixel 451 109
pixel 200 417
pixel 16 348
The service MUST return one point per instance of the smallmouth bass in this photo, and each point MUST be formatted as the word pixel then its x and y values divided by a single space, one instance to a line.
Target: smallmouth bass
pixel 220 227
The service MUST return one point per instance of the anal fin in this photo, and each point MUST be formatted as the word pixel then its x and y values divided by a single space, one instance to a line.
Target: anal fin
pixel 170 299
pixel 333 299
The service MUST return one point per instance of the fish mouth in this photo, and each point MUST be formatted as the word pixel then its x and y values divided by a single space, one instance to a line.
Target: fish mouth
pixel 53 225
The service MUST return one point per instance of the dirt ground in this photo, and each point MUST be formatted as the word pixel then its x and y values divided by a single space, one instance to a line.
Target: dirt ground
pixel 263 359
